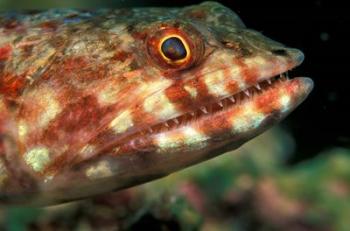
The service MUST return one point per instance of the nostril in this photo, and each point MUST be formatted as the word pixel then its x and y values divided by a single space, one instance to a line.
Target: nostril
pixel 280 52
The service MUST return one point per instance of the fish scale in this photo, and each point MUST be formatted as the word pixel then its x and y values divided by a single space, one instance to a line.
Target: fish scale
pixel 89 103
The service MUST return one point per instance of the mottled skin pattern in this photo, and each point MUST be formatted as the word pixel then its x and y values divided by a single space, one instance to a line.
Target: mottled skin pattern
pixel 88 104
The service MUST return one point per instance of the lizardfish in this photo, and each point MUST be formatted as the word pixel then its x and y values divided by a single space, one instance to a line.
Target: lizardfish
pixel 96 101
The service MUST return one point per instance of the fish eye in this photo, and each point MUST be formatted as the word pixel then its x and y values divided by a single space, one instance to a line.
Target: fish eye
pixel 174 49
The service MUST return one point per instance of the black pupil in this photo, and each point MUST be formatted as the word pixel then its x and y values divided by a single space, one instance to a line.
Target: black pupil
pixel 174 49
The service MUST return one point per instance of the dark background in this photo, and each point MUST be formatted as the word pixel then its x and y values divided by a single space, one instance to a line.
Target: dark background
pixel 317 27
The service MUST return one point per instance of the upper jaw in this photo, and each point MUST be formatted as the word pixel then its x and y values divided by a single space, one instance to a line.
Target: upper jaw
pixel 262 68
pixel 238 76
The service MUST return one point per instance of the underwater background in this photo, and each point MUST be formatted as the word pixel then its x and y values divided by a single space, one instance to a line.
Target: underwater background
pixel 294 177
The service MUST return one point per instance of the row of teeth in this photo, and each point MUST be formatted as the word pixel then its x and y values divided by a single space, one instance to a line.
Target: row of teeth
pixel 222 104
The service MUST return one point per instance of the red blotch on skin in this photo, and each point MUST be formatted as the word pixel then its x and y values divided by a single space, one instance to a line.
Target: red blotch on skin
pixel 5 52
pixel 231 85
pixel 83 115
pixel 74 126
pixel 121 56
pixel 292 87
pixel 176 93
pixel 204 97
pixel 49 26
pixel 74 63
pixel 179 96
pixel 266 102
pixel 139 35
pixel 12 85
pixel 250 74
pixel 141 117
pixel 11 24
pixel 214 126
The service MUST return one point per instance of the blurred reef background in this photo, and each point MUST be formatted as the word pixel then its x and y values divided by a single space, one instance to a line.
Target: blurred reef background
pixel 250 189
pixel 294 177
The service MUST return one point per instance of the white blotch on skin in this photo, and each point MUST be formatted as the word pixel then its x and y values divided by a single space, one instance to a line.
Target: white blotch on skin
pixel 51 106
pixel 185 137
pixel 101 170
pixel 261 64
pixel 160 106
pixel 285 102
pixel 191 90
pixel 216 83
pixel 53 109
pixel 194 138
pixel 79 45
pixel 37 158
pixel 258 60
pixel 167 141
pixel 248 120
pixel 22 130
pixel 122 122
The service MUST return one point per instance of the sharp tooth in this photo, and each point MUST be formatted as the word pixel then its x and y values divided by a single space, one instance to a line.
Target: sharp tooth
pixel 176 121
pixel 287 75
pixel 269 81
pixel 232 99
pixel 166 124
pixel 192 113
pixel 282 77
pixel 150 130
pixel 258 87
pixel 247 92
pixel 221 104
pixel 204 110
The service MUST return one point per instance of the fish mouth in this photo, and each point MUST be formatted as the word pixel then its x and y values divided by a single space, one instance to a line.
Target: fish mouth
pixel 225 104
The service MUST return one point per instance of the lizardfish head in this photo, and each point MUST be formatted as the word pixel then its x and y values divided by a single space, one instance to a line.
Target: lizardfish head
pixel 217 85
pixel 209 85
pixel 133 95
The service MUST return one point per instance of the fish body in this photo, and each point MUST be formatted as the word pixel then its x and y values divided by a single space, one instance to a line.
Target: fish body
pixel 96 101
